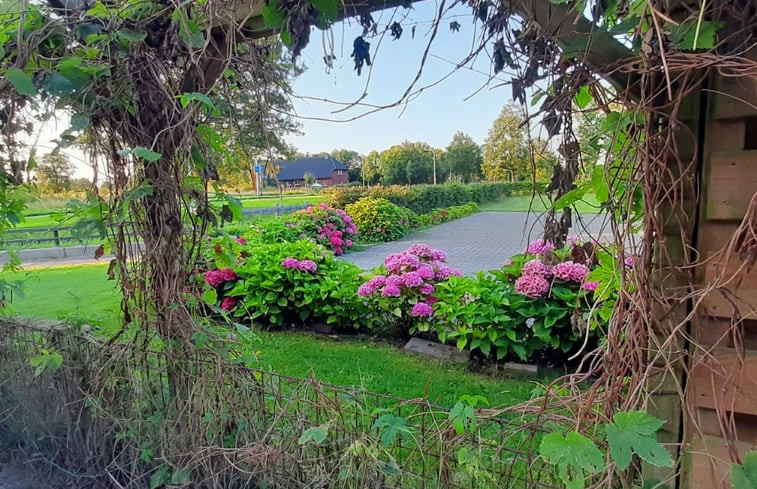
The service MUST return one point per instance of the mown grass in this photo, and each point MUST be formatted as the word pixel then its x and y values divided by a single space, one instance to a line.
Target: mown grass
pixel 538 203
pixel 83 294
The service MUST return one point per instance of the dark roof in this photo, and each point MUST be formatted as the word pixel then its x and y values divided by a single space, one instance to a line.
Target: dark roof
pixel 320 166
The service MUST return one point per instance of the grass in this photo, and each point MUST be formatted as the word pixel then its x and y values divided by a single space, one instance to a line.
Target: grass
pixel 524 203
pixel 83 293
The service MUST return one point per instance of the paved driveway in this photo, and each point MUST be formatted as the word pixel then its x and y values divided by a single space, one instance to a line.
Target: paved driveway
pixel 478 242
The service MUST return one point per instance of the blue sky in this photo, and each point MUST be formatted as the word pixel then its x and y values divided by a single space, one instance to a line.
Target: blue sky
pixel 433 116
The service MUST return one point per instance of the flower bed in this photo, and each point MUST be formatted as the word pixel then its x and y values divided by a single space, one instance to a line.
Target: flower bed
pixel 287 284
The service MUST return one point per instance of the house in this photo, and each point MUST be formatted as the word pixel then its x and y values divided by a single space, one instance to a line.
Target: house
pixel 327 171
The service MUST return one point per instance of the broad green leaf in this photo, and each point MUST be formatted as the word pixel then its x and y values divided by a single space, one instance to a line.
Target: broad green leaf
pixel 316 434
pixel 187 98
pixel 21 82
pixel 463 417
pixel 132 36
pixel 583 98
pixel 210 296
pixel 160 476
pixel 575 456
pixel 272 17
pixel 693 35
pixel 144 190
pixel 57 84
pixel 79 122
pixel 744 476
pixel 181 477
pixel 390 427
pixel 633 432
pixel 146 154
pixel 328 8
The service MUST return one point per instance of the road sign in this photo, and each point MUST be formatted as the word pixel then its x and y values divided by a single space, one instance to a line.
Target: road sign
pixel 259 168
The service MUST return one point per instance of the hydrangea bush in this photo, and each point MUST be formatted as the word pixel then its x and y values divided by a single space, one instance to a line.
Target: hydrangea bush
pixel 537 306
pixel 327 226
pixel 403 288
pixel 289 284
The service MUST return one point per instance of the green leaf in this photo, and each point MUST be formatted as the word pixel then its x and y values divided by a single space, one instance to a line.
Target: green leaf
pixel 146 154
pixel 583 98
pixel 634 432
pixel 575 456
pixel 132 36
pixel 21 82
pixel 210 296
pixel 744 476
pixel 390 427
pixel 57 84
pixel 181 477
pixel 328 8
pixel 272 18
pixel 187 98
pixel 144 190
pixel 693 35
pixel 160 477
pixel 463 417
pixel 316 434
pixel 559 2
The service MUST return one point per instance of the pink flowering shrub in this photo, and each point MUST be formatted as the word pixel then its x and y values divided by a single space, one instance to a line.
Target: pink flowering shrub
pixel 403 287
pixel 537 307
pixel 289 284
pixel 327 226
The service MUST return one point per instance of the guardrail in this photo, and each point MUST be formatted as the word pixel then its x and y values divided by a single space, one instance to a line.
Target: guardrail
pixel 59 236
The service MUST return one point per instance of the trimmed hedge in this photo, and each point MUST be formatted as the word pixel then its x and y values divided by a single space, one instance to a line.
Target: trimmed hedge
pixel 422 199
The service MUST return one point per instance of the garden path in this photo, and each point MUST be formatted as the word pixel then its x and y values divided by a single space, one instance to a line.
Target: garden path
pixel 481 241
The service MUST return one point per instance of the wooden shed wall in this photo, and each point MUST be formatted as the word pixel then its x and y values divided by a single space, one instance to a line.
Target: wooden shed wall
pixel 722 381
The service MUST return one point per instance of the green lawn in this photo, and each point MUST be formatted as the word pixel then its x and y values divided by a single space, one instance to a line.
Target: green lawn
pixel 524 203
pixel 254 202
pixel 84 294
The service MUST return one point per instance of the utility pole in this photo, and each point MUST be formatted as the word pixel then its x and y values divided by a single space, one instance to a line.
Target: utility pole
pixel 362 168
pixel 433 152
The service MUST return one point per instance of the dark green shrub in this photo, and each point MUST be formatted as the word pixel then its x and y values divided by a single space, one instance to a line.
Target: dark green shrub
pixel 379 220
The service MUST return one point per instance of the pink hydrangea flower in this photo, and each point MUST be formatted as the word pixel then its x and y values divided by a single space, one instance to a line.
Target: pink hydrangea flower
pixel 366 289
pixel 241 241
pixel 228 303
pixel 214 278
pixel 412 279
pixel 335 240
pixel 426 271
pixel 307 266
pixel 378 281
pixel 426 289
pixel 438 255
pixel 391 291
pixel 533 286
pixel 290 262
pixel 348 242
pixel 420 250
pixel 540 246
pixel 422 309
pixel 629 261
pixel 536 268
pixel 590 286
pixel 444 272
pixel 394 280
pixel 572 239
pixel 570 271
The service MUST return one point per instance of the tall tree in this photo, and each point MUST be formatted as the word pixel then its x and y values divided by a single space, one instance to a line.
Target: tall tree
pixel 54 172
pixel 463 158
pixel 407 163
pixel 506 155
pixel 371 172
pixel 254 116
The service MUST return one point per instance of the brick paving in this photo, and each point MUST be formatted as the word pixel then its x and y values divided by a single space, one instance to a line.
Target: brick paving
pixel 478 242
